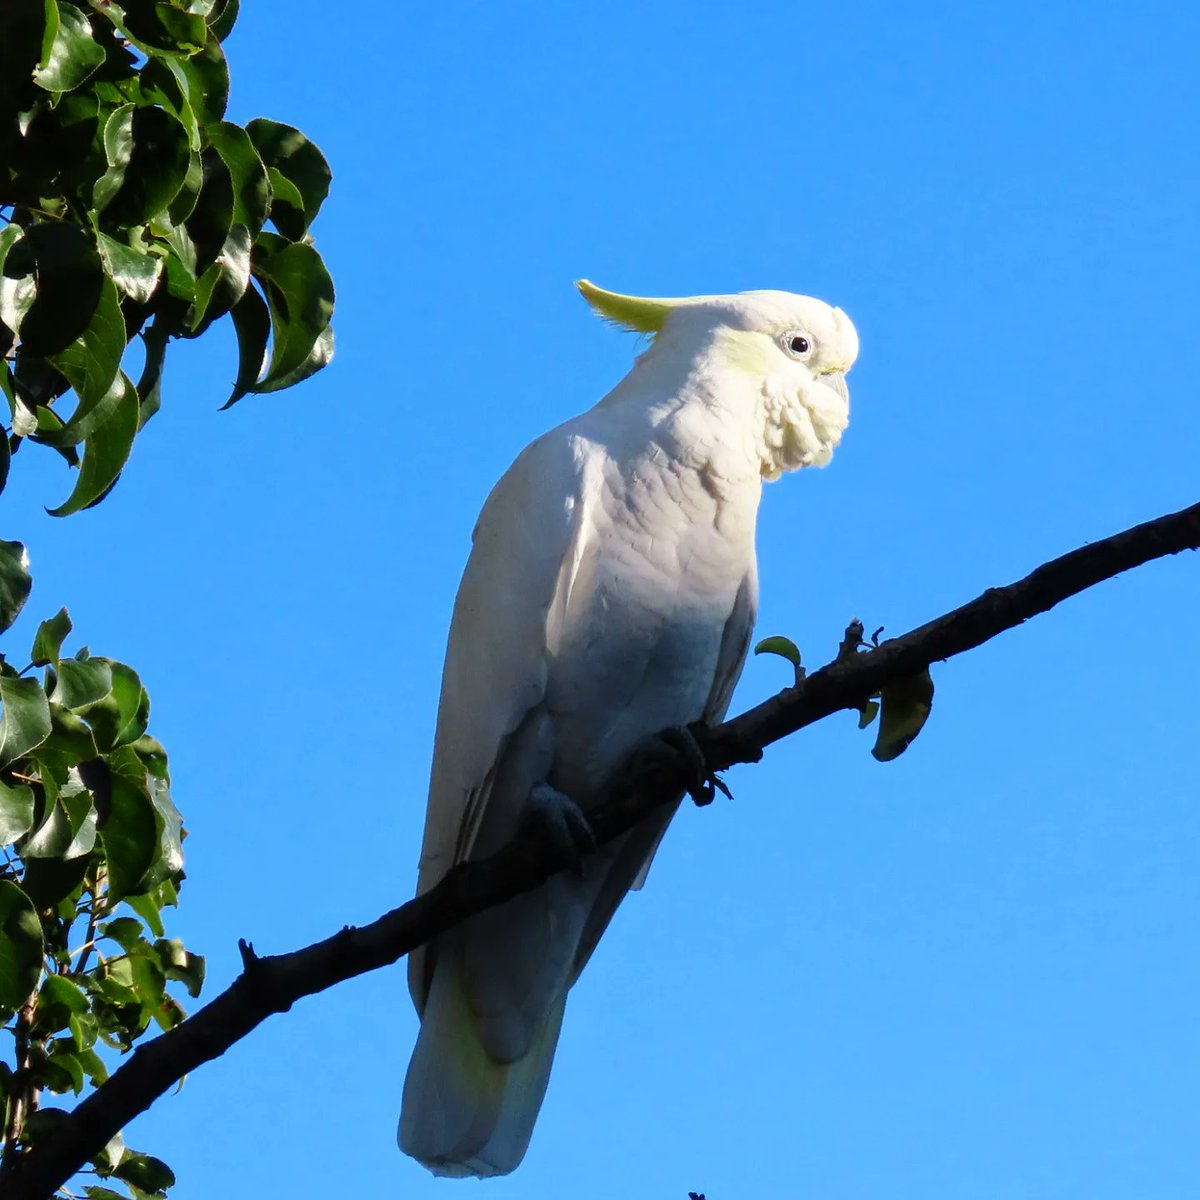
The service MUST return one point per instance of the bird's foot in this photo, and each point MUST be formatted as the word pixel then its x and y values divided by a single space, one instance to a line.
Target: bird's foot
pixel 563 822
pixel 678 745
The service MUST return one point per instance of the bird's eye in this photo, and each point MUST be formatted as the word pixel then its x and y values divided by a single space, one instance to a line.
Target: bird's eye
pixel 797 344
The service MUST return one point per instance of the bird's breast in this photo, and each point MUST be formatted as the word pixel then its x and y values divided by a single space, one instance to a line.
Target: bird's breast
pixel 655 583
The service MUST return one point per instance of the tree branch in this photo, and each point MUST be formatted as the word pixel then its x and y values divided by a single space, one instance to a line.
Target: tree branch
pixel 274 983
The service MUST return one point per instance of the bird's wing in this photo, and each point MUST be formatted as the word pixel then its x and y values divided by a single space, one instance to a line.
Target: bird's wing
pixel 526 547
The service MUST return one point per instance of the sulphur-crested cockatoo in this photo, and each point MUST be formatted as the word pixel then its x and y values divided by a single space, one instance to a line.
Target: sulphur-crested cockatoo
pixel 610 594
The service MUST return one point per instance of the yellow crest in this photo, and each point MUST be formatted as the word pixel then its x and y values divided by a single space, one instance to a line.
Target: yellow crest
pixel 641 314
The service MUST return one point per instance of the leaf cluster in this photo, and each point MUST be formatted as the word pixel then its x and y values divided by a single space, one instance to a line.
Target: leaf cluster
pixel 92 850
pixel 133 209
pixel 905 703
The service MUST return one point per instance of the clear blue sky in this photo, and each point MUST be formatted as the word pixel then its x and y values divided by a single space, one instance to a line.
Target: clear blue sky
pixel 970 974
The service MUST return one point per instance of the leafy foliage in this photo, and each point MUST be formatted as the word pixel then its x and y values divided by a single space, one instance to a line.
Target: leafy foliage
pixel 135 210
pixel 130 210
pixel 93 853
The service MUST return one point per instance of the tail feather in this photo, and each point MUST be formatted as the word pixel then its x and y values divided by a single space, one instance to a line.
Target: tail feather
pixel 465 1113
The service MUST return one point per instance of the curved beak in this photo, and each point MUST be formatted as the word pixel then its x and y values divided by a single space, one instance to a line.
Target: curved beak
pixel 836 380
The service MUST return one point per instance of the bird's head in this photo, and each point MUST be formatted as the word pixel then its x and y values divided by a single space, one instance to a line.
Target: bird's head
pixel 793 350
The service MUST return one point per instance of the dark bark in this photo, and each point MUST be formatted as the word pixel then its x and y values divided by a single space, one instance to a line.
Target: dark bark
pixel 272 984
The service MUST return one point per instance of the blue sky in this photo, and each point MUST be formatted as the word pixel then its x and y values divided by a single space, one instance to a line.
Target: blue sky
pixel 970 973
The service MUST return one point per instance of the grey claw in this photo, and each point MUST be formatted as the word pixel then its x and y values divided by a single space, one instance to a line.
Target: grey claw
pixel 563 822
pixel 700 783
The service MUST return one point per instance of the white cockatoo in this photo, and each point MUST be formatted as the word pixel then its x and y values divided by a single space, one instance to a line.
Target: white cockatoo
pixel 610 594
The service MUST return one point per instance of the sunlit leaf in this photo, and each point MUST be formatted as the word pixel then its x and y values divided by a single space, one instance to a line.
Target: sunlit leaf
pixel 300 297
pixel 149 384
pixel 146 1172
pixel 69 55
pixel 179 963
pixel 248 175
pixel 81 683
pixel 785 648
pixel 16 812
pixel 90 364
pixel 294 156
pixel 25 720
pixel 905 707
pixel 105 453
pixel 220 20
pixel 158 27
pixel 135 272
pixel 47 645
pixel 15 582
pixel 130 836
pixel 66 265
pixel 122 714
pixel 68 831
pixel 148 154
pixel 224 283
pixel 252 322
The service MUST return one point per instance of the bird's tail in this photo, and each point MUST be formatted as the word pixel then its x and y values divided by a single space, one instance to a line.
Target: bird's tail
pixel 465 1113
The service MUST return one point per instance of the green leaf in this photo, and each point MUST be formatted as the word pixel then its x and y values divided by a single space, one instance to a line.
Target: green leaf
pixel 114 1150
pixel 49 881
pixel 125 931
pixel 168 861
pixel 59 999
pixel 186 199
pixel 82 683
pixel 25 721
pixel 300 297
pixel 64 262
pixel 158 27
pixel 224 283
pixel 5 448
pixel 211 219
pixel 70 742
pixel 47 645
pixel 97 1072
pixel 248 176
pixel 866 714
pixel 105 453
pixel 220 20
pixel 66 1066
pixel 130 836
pixel 121 716
pixel 146 907
pixel 15 582
pixel 149 385
pixel 68 831
pixel 319 356
pixel 785 648
pixel 204 81
pixel 287 205
pixel 148 155
pixel 179 963
pixel 90 364
pixel 146 1172
pixel 20 946
pixel 70 56
pixel 135 272
pixel 297 159
pixel 16 812
pixel 252 323
pixel 95 1192
pixel 18 288
pixel 905 708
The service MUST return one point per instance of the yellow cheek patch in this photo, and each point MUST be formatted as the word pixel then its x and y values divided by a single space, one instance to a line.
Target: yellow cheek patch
pixel 751 352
